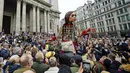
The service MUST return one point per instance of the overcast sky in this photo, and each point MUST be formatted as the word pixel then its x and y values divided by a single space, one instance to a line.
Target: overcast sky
pixel 69 5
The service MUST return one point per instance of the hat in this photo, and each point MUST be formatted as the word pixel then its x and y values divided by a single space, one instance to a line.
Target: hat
pixel 50 54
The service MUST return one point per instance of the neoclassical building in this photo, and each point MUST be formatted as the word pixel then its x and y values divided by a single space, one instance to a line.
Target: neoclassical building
pixel 29 15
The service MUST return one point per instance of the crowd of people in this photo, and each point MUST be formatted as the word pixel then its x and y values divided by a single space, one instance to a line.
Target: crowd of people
pixel 46 53
pixel 42 53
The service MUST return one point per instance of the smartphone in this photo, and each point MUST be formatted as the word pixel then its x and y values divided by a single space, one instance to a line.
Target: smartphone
pixel 86 67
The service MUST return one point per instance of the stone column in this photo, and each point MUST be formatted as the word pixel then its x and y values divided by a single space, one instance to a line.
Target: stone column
pixel 55 25
pixel 42 21
pixel 30 27
pixel 38 19
pixel 1 13
pixel 45 22
pixel 18 14
pixel 34 19
pixel 48 22
pixel 24 17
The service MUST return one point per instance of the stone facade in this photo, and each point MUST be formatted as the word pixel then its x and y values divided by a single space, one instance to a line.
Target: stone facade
pixel 109 17
pixel 29 15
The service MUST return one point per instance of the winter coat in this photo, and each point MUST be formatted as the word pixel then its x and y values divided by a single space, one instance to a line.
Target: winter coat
pixel 64 69
pixel 40 67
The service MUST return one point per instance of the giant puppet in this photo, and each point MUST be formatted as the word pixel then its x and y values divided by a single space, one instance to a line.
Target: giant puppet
pixel 68 28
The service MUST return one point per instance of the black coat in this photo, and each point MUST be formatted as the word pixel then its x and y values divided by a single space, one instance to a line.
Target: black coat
pixel 64 69
pixel 114 66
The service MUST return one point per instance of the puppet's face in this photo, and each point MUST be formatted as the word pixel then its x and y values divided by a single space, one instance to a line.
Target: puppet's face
pixel 72 17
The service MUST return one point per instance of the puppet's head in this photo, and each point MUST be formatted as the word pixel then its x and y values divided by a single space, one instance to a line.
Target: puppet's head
pixel 70 17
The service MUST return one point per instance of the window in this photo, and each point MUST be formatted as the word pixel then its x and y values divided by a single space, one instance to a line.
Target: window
pixel 110 21
pixel 96 7
pixel 123 1
pixel 114 28
pixel 119 19
pixel 103 29
pixel 115 4
pixel 98 29
pixel 102 23
pixel 107 8
pixel 123 18
pixel 119 3
pixel 100 11
pixel 104 9
pixel 125 9
pixel 117 12
pixel 105 15
pixel 108 28
pixel 121 27
pixel 111 28
pixel 107 22
pixel 121 11
pixel 84 13
pixel 128 17
pixel 110 7
pixel 109 15
pixel 129 25
pixel 113 20
pixel 125 26
pixel 50 25
pixel 105 2
pixel 94 25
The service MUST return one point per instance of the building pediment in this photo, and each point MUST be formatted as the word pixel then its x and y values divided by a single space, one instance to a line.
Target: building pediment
pixel 44 2
pixel 40 3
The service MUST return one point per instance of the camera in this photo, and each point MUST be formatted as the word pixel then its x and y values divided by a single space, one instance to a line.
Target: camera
pixel 86 67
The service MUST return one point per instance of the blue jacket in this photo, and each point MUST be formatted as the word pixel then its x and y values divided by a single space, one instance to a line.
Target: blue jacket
pixel 4 53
